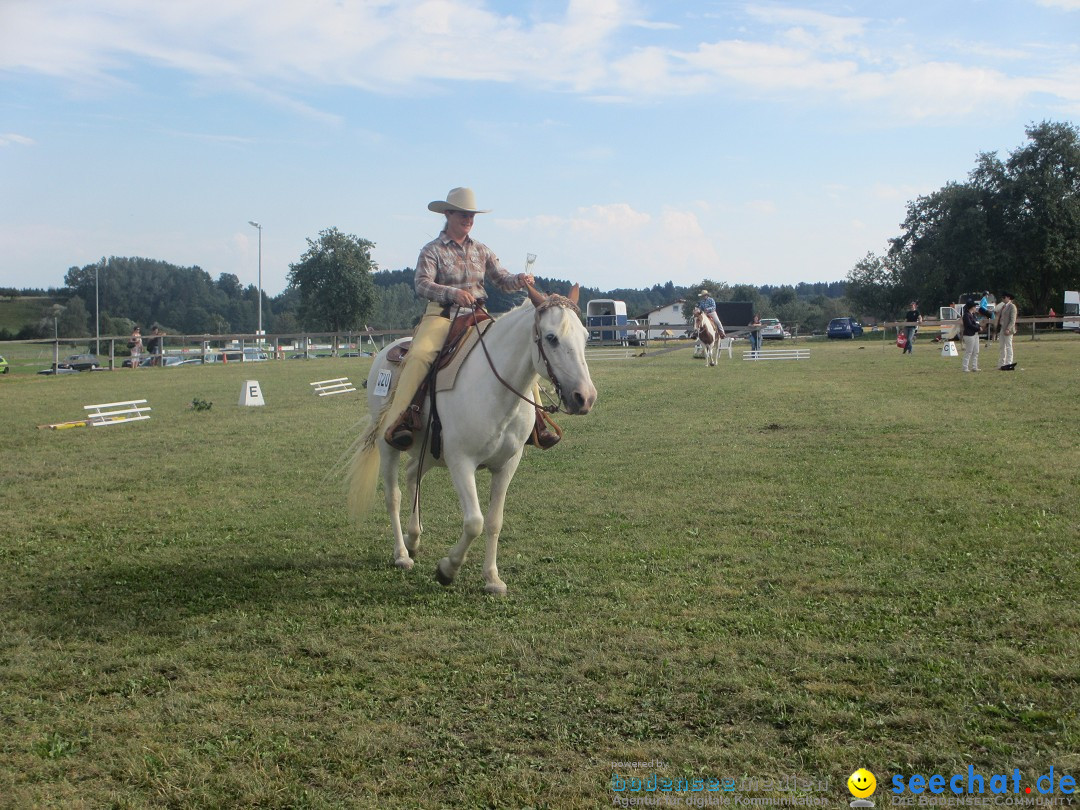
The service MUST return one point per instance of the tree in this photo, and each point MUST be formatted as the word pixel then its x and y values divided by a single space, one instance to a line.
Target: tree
pixel 1015 224
pixel 334 282
pixel 872 286
pixel 1041 213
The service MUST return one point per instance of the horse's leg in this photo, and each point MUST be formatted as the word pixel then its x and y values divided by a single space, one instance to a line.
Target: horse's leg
pixel 500 482
pixel 412 481
pixel 464 477
pixel 389 467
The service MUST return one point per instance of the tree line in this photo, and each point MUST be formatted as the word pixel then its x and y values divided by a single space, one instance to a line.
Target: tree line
pixel 1014 226
pixel 335 286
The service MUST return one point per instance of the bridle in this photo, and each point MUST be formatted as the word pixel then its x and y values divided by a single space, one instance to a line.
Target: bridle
pixel 552 300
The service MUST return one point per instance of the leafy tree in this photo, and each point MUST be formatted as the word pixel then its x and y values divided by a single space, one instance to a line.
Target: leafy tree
pixel 334 281
pixel 399 308
pixel 1014 224
pixel 1041 213
pixel 66 320
pixel 873 286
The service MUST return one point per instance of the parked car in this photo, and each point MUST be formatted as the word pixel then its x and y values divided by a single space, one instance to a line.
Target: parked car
pixel 772 329
pixel 635 335
pixel 74 362
pixel 245 355
pixel 844 328
pixel 3 365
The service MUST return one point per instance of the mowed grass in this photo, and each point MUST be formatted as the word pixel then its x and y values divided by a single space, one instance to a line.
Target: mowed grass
pixel 759 569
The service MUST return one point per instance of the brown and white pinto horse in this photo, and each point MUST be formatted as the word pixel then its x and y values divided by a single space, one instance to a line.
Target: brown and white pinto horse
pixel 707 336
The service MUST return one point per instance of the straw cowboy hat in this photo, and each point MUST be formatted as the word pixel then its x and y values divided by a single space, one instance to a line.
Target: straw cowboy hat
pixel 457 199
pixel 703 292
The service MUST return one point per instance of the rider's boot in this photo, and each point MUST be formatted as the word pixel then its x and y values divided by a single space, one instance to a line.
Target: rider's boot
pixel 542 436
pixel 400 433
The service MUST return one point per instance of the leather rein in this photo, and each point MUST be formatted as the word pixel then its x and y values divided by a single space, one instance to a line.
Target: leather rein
pixel 538 340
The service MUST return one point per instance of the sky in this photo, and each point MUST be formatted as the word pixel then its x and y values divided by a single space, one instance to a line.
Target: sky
pixel 624 143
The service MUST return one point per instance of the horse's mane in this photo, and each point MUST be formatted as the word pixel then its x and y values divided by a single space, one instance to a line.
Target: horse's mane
pixel 552 301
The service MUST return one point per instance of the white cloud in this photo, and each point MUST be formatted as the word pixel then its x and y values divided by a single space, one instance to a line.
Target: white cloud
pixel 602 49
pixel 9 138
pixel 616 245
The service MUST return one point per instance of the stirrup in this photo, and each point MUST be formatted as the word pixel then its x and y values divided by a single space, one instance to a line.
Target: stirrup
pixel 400 434
pixel 542 437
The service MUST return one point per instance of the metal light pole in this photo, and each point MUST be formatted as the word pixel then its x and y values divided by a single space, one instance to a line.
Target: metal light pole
pixel 97 312
pixel 257 225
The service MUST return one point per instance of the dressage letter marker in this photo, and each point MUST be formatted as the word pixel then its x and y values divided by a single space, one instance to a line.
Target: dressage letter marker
pixel 251 393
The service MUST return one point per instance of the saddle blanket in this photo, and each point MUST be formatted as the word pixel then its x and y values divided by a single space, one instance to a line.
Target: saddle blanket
pixel 446 378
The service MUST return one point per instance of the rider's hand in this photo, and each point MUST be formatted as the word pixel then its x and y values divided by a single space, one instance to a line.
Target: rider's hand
pixel 464 298
pixel 526 278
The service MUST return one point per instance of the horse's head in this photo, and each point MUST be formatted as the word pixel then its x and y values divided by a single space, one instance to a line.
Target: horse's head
pixel 560 341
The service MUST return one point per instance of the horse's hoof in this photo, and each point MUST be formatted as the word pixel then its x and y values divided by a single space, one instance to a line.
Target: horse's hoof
pixel 440 577
pixel 404 563
pixel 412 552
pixel 496 588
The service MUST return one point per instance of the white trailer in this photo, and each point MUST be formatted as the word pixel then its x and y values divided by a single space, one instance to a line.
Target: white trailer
pixel 1071 315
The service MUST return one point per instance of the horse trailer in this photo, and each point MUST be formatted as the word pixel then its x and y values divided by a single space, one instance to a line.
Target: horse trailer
pixel 602 316
pixel 1071 315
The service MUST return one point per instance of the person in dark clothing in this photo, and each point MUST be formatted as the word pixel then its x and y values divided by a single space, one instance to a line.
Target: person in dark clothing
pixel 971 337
pixel 913 319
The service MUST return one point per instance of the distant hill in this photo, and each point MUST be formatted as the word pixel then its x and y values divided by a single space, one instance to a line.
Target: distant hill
pixel 18 312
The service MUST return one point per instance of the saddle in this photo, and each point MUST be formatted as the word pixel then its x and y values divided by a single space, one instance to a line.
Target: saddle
pixel 459 341
pixel 459 328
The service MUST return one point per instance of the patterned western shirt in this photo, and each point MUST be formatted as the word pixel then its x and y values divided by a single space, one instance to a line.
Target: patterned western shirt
pixel 445 266
pixel 706 304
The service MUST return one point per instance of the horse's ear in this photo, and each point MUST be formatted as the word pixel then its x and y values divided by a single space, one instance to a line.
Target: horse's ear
pixel 537 298
pixel 574 292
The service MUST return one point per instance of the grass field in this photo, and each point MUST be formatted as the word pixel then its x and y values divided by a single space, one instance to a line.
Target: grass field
pixel 755 571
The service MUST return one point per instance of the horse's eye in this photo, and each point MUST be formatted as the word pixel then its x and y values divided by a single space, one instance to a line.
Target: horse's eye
pixel 552 340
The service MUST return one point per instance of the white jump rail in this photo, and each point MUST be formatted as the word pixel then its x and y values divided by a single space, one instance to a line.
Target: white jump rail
pixel 777 354
pixel 612 353
pixel 327 388
pixel 115 413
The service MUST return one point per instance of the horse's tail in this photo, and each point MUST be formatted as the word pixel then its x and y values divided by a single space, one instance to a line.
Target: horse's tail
pixel 364 472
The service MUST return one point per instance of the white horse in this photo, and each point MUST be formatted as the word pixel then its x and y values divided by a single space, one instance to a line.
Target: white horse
pixel 485 422
pixel 707 336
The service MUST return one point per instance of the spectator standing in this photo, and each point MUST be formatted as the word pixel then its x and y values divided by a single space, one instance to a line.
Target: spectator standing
pixel 135 344
pixel 970 330
pixel 154 346
pixel 755 334
pixel 913 319
pixel 1007 325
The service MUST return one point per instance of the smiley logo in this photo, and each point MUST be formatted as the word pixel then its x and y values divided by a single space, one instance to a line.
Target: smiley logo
pixel 862 783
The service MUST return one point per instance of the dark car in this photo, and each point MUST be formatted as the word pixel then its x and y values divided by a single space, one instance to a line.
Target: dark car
pixel 846 328
pixel 76 362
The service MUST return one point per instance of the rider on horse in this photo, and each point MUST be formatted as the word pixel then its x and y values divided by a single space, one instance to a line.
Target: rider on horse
pixel 450 273
pixel 707 305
